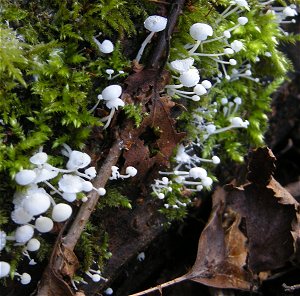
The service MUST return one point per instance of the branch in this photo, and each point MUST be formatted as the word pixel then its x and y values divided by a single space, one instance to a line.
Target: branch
pixel 159 56
pixel 87 208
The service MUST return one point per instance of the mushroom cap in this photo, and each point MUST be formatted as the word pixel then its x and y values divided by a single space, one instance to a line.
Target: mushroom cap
pixel 39 158
pixel 207 181
pixel 228 50
pixel 70 197
pixel 106 46
pixel 61 212
pixel 24 233
pixel 181 155
pixel 115 103
pixel 288 11
pixel 197 172
pixel 207 84
pixel 215 159
pixel 91 172
pixel 43 224
pixel 25 278
pixel 237 45
pixel 182 65
pixel 2 240
pixel 210 128
pixel 96 277
pixel 132 171
pixel 70 183
pixel 243 20
pixel 78 160
pixel 241 3
pixel 109 291
pixel 200 90
pixel 101 191
pixel 4 269
pixel 33 245
pixel 236 121
pixel 25 177
pixel 190 78
pixel 155 23
pixel 37 203
pixel 87 186
pixel 44 174
pixel 20 216
pixel 111 92
pixel 200 31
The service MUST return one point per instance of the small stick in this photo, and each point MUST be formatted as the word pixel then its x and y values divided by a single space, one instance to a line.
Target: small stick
pixel 290 288
pixel 160 287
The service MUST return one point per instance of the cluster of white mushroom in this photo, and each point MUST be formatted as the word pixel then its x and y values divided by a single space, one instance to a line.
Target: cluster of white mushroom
pixel 187 168
pixel 32 202
pixel 283 13
pixel 190 85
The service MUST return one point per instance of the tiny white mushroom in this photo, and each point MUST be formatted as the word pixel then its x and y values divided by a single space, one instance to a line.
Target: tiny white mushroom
pixel 199 32
pixel 109 291
pixel 25 278
pixel 111 92
pixel 61 212
pixel 131 171
pixel 25 177
pixel 101 191
pixel 91 172
pixel 153 23
pixel 24 233
pixel 106 46
pixel 78 160
pixel 37 203
pixel 237 45
pixel 4 269
pixel 20 216
pixel 182 65
pixel 190 78
pixel 197 172
pixel 33 245
pixel 39 158
pixel 206 182
pixel 43 224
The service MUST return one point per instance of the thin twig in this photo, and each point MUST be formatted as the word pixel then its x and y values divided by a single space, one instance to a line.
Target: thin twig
pixel 87 208
pixel 290 288
pixel 159 287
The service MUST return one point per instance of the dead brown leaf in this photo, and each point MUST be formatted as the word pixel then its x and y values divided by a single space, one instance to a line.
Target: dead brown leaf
pixel 153 143
pixel 222 251
pixel 253 228
pixel 140 85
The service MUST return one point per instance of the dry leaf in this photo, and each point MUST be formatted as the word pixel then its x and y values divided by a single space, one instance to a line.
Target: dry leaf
pixel 153 143
pixel 222 251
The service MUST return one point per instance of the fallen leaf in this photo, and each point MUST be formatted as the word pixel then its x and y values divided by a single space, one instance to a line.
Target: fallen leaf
pixel 222 252
pixel 153 143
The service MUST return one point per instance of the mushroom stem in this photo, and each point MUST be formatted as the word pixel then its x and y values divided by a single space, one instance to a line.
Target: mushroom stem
pixel 144 44
pixel 195 47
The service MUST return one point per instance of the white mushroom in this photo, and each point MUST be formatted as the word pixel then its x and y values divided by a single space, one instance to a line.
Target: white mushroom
pixel 24 233
pixel 43 224
pixel 25 177
pixel 153 23
pixel 4 269
pixel 61 212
